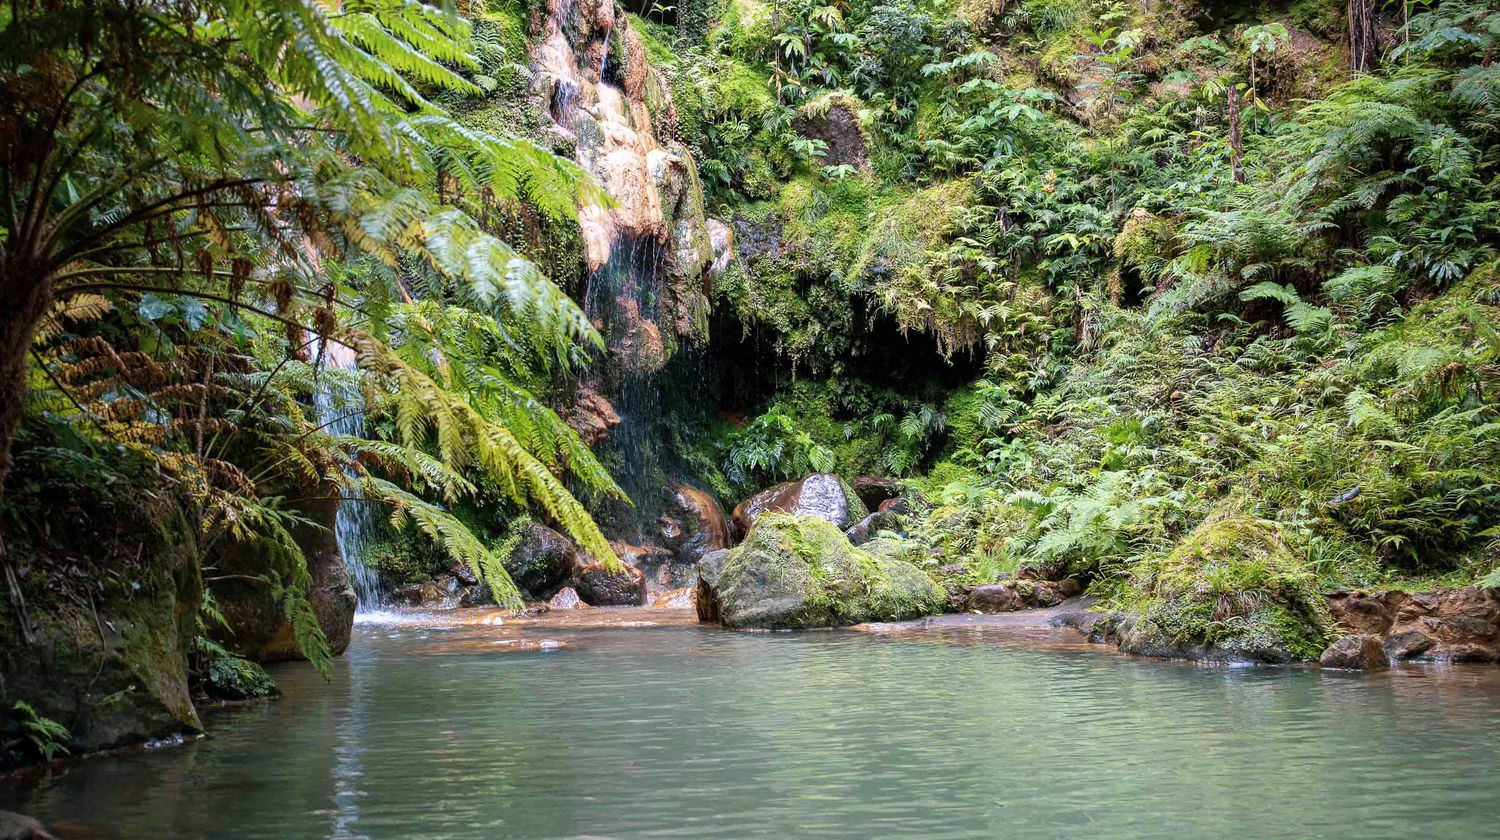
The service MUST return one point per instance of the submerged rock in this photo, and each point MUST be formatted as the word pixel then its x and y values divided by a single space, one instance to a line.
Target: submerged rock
pixel 599 587
pixel 542 561
pixel 683 598
pixel 822 495
pixel 1360 652
pixel 1230 591
pixel 797 571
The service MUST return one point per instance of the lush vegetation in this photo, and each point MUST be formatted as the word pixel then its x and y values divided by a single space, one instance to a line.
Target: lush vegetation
pixel 1204 264
pixel 231 226
pixel 1097 277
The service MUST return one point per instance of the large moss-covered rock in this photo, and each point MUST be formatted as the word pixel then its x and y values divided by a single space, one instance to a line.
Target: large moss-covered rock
pixel 96 633
pixel 800 571
pixel 1230 591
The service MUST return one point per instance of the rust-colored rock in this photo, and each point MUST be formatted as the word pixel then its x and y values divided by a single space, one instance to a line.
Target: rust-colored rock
pixel 1360 652
pixel 1454 625
pixel 1013 595
pixel 591 415
pixel 1365 612
pixel 694 524
pixel 819 494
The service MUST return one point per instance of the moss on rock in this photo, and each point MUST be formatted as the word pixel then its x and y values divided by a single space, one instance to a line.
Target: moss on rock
pixel 1231 590
pixel 800 571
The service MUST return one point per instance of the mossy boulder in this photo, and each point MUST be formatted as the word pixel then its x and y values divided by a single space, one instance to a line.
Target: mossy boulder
pixel 541 560
pixel 1230 591
pixel 231 677
pixel 801 571
pixel 97 633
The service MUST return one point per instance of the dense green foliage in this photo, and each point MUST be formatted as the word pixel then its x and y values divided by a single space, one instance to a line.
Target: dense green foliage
pixel 223 219
pixel 1204 265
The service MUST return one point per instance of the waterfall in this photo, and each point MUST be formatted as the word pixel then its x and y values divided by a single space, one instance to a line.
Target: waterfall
pixel 340 410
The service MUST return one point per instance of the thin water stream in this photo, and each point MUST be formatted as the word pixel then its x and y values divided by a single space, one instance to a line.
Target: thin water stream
pixel 651 726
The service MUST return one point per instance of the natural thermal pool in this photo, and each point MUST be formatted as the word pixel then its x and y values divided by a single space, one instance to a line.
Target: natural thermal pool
pixel 436 731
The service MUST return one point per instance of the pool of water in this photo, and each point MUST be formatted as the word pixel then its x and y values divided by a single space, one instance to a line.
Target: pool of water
pixel 444 730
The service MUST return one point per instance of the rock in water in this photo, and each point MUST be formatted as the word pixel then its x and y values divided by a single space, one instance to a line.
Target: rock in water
pixel 542 561
pixel 599 587
pixel 706 600
pixel 823 495
pixel 566 599
pixel 694 524
pixel 1360 652
pixel 260 629
pixel 796 571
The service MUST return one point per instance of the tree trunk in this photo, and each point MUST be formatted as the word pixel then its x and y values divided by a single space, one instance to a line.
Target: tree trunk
pixel 1363 46
pixel 1236 136
pixel 23 301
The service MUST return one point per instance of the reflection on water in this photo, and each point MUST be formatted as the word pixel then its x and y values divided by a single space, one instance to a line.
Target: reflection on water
pixel 430 729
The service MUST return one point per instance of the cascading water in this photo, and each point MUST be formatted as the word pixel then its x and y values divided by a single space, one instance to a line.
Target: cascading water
pixel 340 410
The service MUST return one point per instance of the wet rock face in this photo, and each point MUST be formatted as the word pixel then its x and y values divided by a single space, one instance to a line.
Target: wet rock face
pixel 821 495
pixel 834 119
pixel 260 630
pixel 541 561
pixel 875 491
pixel 591 415
pixel 658 566
pixel 1359 652
pixel 706 596
pixel 694 524
pixel 798 571
pixel 109 663
pixel 891 517
pixel 443 592
pixel 1451 625
pixel 598 587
